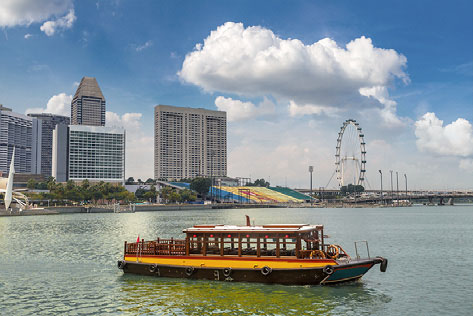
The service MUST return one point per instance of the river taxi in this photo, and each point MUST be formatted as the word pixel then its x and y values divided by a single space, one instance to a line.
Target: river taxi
pixel 291 254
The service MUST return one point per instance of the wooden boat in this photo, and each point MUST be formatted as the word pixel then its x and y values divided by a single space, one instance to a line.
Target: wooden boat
pixel 292 254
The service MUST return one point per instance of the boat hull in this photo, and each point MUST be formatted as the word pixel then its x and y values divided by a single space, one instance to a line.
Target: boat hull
pixel 328 274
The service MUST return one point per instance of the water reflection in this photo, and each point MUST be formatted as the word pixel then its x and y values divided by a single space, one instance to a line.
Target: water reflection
pixel 149 296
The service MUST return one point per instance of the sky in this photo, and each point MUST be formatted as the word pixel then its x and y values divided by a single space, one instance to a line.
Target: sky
pixel 288 74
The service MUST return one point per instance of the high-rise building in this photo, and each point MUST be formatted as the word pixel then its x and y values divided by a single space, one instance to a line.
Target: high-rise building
pixel 189 142
pixel 96 153
pixel 88 104
pixel 16 131
pixel 42 149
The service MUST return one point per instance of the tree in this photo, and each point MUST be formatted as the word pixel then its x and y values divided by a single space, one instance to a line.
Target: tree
pixel 348 189
pixel 187 196
pixel 174 197
pixel 31 184
pixel 150 181
pixel 258 183
pixel 201 185
pixel 165 193
pixel 130 180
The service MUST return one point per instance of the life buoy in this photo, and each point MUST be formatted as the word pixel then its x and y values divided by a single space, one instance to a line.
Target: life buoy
pixel 266 270
pixel 189 271
pixel 317 254
pixel 152 268
pixel 328 270
pixel 384 265
pixel 227 272
pixel 121 264
pixel 333 251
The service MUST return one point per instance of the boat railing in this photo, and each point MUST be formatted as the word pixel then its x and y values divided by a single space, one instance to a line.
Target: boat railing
pixel 171 247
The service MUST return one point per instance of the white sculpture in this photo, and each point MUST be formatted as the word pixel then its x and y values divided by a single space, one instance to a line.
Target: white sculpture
pixel 11 194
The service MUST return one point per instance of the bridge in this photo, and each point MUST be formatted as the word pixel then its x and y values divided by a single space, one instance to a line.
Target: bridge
pixel 394 197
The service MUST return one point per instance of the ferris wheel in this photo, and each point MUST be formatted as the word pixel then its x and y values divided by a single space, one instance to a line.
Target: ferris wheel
pixel 350 156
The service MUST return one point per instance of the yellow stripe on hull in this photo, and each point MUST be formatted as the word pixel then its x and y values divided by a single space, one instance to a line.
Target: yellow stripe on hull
pixel 228 263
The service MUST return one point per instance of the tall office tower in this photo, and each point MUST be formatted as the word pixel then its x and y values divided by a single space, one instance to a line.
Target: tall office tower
pixel 88 104
pixel 42 149
pixel 16 131
pixel 95 153
pixel 189 142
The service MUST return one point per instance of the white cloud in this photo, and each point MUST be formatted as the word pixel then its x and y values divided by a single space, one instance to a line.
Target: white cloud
pixel 307 109
pixel 62 23
pixel 28 35
pixel 253 61
pixel 59 104
pixel 144 46
pixel 139 144
pixel 388 112
pixel 454 139
pixel 127 120
pixel 25 12
pixel 238 110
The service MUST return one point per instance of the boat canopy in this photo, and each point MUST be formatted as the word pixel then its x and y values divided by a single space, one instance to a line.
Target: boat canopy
pixel 273 228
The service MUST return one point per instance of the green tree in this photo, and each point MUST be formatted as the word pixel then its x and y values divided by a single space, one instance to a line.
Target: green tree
pixel 187 196
pixel 174 197
pixel 258 183
pixel 31 184
pixel 348 189
pixel 166 193
pixel 201 186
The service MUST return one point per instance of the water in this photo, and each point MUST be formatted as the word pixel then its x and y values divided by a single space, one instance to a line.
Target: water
pixel 66 264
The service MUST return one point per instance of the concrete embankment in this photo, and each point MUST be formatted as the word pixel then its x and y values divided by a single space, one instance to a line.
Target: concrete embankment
pixel 102 209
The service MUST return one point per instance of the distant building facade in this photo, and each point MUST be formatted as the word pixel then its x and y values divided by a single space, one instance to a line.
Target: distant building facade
pixel 88 104
pixel 96 153
pixel 189 142
pixel 42 148
pixel 16 131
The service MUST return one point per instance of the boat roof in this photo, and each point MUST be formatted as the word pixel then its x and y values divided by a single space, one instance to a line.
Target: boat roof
pixel 271 228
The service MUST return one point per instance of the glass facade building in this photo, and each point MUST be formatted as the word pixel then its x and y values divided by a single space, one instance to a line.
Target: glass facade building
pixel 16 131
pixel 95 153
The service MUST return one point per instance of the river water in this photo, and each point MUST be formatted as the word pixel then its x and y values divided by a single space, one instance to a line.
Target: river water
pixel 66 265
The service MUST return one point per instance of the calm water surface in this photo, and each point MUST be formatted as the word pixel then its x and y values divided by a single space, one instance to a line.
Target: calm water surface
pixel 66 265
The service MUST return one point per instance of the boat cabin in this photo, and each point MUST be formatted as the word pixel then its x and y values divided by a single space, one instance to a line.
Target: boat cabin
pixel 278 240
pixel 299 241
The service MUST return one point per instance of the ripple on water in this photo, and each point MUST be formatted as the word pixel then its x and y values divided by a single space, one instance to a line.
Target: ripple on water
pixel 66 264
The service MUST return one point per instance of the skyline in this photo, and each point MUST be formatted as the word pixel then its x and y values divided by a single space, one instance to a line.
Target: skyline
pixel 287 87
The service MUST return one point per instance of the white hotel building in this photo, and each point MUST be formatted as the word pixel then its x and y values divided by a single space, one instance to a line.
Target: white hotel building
pixel 96 153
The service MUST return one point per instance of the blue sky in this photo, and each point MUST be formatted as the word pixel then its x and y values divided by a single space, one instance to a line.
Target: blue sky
pixel 137 50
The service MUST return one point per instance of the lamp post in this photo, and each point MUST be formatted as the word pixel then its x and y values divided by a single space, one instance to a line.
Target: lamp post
pixel 381 174
pixel 392 191
pixel 311 170
pixel 397 188
pixel 405 177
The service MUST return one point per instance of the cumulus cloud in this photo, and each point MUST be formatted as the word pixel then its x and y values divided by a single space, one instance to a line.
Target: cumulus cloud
pixel 306 109
pixel 58 104
pixel 238 110
pixel 253 61
pixel 26 12
pixel 127 120
pixel 28 35
pixel 454 139
pixel 62 23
